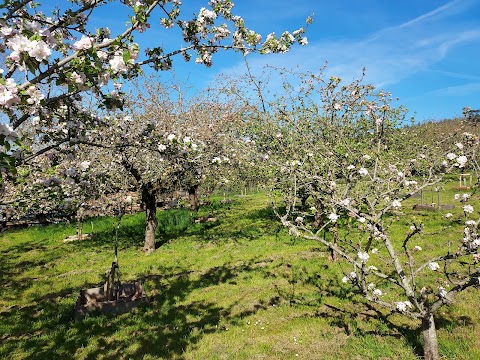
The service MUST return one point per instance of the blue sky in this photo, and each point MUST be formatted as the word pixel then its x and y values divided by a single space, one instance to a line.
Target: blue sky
pixel 425 52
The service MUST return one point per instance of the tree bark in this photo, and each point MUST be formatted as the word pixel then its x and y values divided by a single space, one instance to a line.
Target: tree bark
pixel 193 198
pixel 430 346
pixel 79 225
pixel 318 220
pixel 149 198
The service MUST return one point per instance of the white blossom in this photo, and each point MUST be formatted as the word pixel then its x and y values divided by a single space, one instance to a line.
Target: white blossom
pixel 344 202
pixel 468 209
pixel 396 204
pixel 441 292
pixel 84 43
pixel 117 64
pixel 462 160
pixel 39 50
pixel 433 266
pixel 451 156
pixel 84 165
pixel 333 217
pixel 363 256
pixel 363 172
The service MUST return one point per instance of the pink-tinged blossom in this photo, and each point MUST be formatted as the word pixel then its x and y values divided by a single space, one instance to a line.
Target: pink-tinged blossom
pixel 84 43
pixel 6 31
pixel 18 43
pixel 117 64
pixel 8 93
pixel 39 50
pixel 102 55
pixel 77 78
pixel 7 131
pixel 35 95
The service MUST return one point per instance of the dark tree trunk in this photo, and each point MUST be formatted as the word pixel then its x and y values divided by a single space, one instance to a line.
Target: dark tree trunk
pixel 333 254
pixel 149 198
pixel 193 198
pixel 430 346
pixel 304 199
pixel 319 213
pixel 3 222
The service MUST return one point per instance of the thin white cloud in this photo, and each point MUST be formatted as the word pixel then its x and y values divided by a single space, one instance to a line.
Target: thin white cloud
pixel 454 6
pixel 389 55
pixel 460 90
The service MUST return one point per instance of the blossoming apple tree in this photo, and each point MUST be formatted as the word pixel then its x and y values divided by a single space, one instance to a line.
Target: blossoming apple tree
pixel 53 62
pixel 163 143
pixel 343 147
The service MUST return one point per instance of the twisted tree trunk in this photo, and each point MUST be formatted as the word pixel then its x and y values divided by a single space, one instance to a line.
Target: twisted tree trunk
pixel 430 346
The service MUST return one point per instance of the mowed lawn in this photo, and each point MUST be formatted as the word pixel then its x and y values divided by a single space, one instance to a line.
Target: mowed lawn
pixel 237 288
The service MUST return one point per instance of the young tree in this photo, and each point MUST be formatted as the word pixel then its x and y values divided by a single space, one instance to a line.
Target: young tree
pixel 344 147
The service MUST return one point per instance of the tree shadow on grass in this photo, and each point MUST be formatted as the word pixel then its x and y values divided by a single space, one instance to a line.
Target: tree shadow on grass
pixel 355 313
pixel 164 328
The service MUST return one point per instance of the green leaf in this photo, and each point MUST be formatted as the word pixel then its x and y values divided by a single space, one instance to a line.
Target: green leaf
pixel 126 56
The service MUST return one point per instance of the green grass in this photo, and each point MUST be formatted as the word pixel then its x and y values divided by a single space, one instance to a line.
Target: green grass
pixel 238 288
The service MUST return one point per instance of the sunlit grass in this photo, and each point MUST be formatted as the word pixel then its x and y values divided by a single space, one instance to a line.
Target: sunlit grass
pixel 237 288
